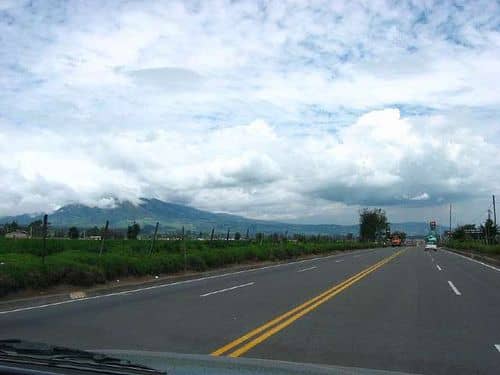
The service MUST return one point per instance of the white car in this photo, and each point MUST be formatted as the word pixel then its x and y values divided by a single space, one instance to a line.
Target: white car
pixel 430 246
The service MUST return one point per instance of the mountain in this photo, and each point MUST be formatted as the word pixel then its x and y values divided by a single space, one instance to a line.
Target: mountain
pixel 173 216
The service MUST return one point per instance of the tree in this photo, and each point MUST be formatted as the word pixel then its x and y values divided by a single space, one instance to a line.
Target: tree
pixel 73 233
pixel 299 237
pixel 259 237
pixel 371 223
pixel 237 236
pixel 35 228
pixel 133 231
pixel 464 232
pixel 489 231
pixel 11 227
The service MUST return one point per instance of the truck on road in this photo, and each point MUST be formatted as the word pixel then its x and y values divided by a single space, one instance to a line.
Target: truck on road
pixel 432 238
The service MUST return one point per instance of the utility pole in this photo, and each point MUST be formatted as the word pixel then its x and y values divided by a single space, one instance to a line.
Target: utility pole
pixel 154 239
pixel 44 238
pixel 450 219
pixel 494 212
pixel 105 232
pixel 227 237
pixel 486 227
pixel 184 248
pixel 212 234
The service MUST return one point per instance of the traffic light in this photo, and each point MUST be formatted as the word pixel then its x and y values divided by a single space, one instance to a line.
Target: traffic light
pixel 433 225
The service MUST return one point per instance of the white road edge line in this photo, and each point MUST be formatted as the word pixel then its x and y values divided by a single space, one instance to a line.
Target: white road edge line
pixel 439 268
pixel 307 269
pixel 498 347
pixel 454 288
pixel 473 260
pixel 226 289
pixel 132 291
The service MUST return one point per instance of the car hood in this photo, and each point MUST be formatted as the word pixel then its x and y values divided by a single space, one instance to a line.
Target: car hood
pixel 183 364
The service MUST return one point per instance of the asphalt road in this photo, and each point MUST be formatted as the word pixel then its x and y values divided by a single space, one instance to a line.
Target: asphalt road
pixel 391 309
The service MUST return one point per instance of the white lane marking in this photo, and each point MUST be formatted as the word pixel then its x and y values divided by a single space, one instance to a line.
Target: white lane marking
pixel 473 260
pixel 498 347
pixel 131 291
pixel 454 288
pixel 439 268
pixel 307 269
pixel 226 289
pixel 338 261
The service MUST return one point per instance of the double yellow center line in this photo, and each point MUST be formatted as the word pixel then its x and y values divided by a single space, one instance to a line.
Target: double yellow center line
pixel 262 333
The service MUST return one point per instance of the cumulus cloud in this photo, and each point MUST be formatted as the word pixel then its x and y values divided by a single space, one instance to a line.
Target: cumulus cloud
pixel 273 110
pixel 255 169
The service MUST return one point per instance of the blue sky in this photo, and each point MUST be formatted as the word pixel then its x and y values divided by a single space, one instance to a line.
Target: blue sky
pixel 297 111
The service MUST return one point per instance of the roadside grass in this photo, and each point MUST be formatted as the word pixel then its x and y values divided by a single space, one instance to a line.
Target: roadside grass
pixel 77 262
pixel 478 246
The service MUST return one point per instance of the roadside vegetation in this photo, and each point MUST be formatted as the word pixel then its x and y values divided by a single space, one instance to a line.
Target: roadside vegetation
pixel 475 245
pixel 25 265
pixel 483 239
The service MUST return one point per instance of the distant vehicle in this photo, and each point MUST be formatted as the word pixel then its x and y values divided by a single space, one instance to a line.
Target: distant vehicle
pixel 432 238
pixel 430 246
pixel 396 240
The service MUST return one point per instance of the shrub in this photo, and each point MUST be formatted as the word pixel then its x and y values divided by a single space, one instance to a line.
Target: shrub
pixel 196 262
pixel 78 262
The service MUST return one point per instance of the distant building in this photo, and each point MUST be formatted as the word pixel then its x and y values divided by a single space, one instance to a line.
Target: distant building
pixel 17 234
pixel 95 238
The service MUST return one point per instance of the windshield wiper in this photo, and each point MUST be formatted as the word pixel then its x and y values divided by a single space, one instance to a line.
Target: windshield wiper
pixel 18 351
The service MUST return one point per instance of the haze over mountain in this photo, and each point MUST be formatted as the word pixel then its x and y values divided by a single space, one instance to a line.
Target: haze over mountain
pixel 173 216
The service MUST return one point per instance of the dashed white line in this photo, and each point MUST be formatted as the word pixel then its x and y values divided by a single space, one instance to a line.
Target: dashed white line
pixel 340 260
pixel 226 289
pixel 138 290
pixel 498 347
pixel 454 288
pixel 307 269
pixel 439 268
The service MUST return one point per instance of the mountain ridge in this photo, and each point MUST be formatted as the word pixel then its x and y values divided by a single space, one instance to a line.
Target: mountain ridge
pixel 173 216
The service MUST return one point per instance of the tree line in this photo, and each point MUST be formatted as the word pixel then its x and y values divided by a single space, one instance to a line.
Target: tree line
pixel 487 232
pixel 373 226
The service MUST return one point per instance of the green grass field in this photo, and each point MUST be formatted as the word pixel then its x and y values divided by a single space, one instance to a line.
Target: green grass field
pixel 478 246
pixel 77 262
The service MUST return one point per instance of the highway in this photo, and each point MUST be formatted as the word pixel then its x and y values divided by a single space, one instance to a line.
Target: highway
pixel 398 309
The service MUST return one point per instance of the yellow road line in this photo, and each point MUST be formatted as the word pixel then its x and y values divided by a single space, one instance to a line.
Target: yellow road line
pixel 295 313
pixel 257 330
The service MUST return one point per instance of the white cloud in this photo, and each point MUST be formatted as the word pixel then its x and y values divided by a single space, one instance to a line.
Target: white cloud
pixel 255 169
pixel 271 110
